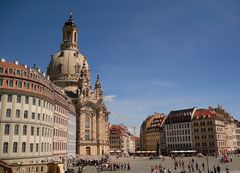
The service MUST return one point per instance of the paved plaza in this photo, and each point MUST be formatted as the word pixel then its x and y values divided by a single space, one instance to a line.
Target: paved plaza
pixel 143 165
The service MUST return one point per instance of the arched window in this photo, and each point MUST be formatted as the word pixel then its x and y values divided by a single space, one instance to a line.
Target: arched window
pixel 24 147
pixel 24 130
pixel 87 122
pixel 31 147
pixel 16 129
pixel 10 83
pixel 75 37
pixel 68 36
pixel 8 113
pixel 17 113
pixel 18 72
pixel 15 145
pixel 25 114
pixel 7 129
pixel 5 147
pixel 10 71
pixel 18 99
pixel 19 84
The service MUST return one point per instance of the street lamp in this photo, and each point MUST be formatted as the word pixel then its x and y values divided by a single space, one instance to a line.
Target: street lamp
pixel 174 161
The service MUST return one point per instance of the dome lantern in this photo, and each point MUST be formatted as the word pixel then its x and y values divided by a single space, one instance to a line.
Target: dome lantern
pixel 70 34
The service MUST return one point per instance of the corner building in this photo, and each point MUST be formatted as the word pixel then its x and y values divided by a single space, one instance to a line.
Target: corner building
pixel 26 114
pixel 69 70
pixel 208 132
pixel 152 133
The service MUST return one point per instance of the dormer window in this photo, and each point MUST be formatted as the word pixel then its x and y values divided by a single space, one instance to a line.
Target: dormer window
pixel 18 72
pixel 77 69
pixel 60 68
pixel 1 69
pixel 10 71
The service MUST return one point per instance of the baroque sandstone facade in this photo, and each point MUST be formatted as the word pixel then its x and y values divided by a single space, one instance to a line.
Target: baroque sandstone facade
pixel 69 69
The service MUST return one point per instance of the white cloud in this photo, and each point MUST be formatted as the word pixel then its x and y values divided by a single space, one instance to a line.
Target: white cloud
pixel 109 98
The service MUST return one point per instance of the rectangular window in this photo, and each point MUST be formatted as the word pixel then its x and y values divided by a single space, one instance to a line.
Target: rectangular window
pixel 26 100
pixel 87 135
pixel 33 115
pixel 42 131
pixel 9 99
pixel 38 131
pixel 38 116
pixel 39 102
pixel 32 131
pixel 27 85
pixel 34 101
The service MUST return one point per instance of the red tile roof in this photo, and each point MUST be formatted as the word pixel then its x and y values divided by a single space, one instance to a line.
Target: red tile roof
pixel 205 113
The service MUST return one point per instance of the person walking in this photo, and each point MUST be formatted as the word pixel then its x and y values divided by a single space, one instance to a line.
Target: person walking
pixel 203 166
pixel 227 169
pixel 214 169
pixel 128 166
pixel 218 169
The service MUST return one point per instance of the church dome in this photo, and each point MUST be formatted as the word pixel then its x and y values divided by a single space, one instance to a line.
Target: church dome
pixel 65 66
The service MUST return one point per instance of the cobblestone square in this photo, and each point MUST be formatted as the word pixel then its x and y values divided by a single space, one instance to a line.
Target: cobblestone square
pixel 143 165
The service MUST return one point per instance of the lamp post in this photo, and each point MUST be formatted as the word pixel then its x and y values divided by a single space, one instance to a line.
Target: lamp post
pixel 174 161
pixel 207 165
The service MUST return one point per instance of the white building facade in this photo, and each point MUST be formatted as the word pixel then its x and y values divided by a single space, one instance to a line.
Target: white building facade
pixel 178 130
pixel 71 133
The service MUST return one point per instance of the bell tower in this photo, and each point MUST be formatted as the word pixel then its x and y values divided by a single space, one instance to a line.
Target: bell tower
pixel 70 35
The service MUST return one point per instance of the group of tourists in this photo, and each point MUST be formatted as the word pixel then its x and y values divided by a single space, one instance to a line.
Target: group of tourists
pixel 114 166
pixel 159 169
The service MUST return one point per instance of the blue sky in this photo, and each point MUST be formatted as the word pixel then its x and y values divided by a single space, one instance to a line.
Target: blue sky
pixel 152 56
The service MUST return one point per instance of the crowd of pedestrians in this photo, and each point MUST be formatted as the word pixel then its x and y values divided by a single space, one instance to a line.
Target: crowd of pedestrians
pixel 159 169
pixel 114 166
